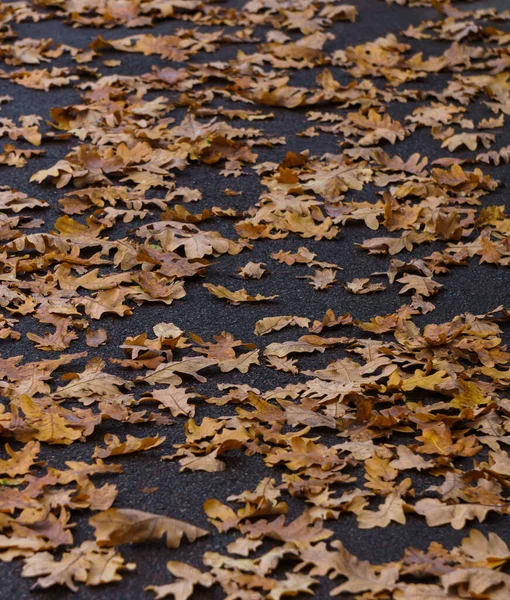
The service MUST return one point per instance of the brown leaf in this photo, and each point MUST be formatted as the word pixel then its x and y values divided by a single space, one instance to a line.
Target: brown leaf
pixel 363 286
pixel 437 513
pixel 187 578
pixel 124 526
pixel 87 564
pixel 114 446
pixel 235 297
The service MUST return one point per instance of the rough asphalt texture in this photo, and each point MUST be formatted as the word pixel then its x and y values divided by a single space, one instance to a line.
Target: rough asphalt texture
pixel 474 289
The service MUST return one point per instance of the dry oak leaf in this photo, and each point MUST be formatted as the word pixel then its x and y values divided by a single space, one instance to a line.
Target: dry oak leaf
pixel 187 578
pixel 80 471
pixel 330 320
pixel 361 450
pixel 174 398
pixel 91 384
pixel 341 12
pixel 407 459
pixel 242 362
pixel 379 127
pixel 391 510
pixel 51 423
pixel 470 140
pixel 224 518
pixel 499 463
pixel 363 286
pixel 223 350
pixel 379 474
pixel 302 256
pixel 208 462
pixel 437 513
pixel 303 453
pixel 19 462
pixel 287 365
pixel 93 498
pixel 243 546
pixel 489 552
pixel 394 245
pixel 322 279
pixel 423 286
pixel 361 576
pixel 220 515
pixel 201 431
pixel 97 338
pixel 87 564
pixel 434 561
pixel 15 546
pixel 43 79
pixel 11 199
pixel 302 414
pixel 477 550
pixel 269 324
pixel 57 341
pixel 265 491
pixel 415 164
pixel 264 410
pixel 437 439
pixel 132 444
pixel 422 381
pixel 470 396
pixel 128 526
pixel 349 372
pixel 252 270
pixel 422 591
pixel 104 302
pixel 281 350
pixel 167 373
pixel 301 532
pixel 235 297
pixel 294 585
pixel 477 583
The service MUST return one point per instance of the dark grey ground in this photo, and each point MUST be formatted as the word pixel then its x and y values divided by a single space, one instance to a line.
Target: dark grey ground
pixel 181 495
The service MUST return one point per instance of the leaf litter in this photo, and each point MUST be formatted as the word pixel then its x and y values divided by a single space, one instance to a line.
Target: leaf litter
pixel 408 418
